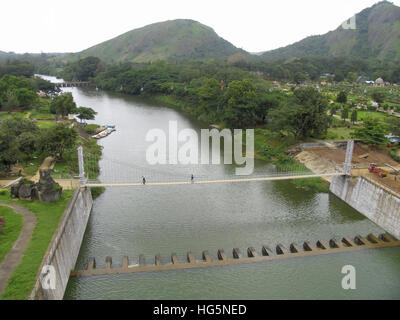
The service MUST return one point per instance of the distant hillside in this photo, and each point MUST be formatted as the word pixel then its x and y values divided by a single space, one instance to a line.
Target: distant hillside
pixel 170 40
pixel 377 36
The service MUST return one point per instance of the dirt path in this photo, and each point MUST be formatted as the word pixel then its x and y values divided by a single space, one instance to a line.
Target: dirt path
pixel 14 256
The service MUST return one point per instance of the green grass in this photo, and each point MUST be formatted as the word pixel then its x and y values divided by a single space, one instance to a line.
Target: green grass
pixel 339 133
pixel 46 124
pixel 371 114
pixel 11 230
pixel 48 216
pixel 31 166
pixel 271 147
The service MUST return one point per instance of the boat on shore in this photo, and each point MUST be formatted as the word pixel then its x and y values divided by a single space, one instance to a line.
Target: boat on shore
pixel 109 129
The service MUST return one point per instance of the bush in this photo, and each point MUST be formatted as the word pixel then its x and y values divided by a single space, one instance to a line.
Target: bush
pixel 96 191
pixel 394 155
pixel 91 128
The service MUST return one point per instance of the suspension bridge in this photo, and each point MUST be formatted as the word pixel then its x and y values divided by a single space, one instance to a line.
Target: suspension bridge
pixel 103 171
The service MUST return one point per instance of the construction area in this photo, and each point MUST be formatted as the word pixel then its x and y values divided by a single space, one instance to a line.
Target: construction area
pixel 326 156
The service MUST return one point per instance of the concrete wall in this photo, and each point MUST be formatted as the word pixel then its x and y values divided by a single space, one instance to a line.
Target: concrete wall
pixel 65 245
pixel 374 201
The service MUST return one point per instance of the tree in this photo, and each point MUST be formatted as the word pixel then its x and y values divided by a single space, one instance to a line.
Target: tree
pixel 393 125
pixel 10 132
pixel 372 132
pixel 354 116
pixel 345 113
pixel 303 116
pixel 299 77
pixel 378 96
pixel 241 100
pixel 85 113
pixel 15 126
pixel 10 101
pixel 210 93
pixel 25 97
pixel 342 97
pixel 56 140
pixel 265 103
pixel 26 144
pixel 63 104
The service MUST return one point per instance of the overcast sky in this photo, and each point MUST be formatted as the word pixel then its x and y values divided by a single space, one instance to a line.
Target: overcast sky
pixel 254 25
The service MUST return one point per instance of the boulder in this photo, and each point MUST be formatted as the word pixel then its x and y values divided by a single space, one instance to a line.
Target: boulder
pixel 47 189
pixel 23 190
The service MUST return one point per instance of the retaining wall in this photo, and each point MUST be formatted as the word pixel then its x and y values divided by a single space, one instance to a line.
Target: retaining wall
pixel 374 201
pixel 65 245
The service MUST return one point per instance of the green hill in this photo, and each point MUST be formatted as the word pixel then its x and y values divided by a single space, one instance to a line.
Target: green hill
pixel 169 40
pixel 377 35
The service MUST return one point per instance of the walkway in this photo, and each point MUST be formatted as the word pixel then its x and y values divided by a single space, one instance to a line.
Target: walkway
pixel 271 178
pixel 14 256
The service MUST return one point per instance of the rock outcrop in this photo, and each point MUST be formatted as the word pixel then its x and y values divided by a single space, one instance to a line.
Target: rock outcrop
pixel 46 190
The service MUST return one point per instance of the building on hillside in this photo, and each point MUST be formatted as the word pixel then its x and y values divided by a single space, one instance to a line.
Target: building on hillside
pixel 379 82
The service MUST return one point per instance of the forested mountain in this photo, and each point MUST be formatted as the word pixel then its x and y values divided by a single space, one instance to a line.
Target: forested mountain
pixel 377 36
pixel 173 40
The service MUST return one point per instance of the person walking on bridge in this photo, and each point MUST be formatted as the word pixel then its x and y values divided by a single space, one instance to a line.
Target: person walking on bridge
pixel 143 180
pixel 192 178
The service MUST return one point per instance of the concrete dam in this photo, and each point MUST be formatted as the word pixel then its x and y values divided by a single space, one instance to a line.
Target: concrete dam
pixel 374 200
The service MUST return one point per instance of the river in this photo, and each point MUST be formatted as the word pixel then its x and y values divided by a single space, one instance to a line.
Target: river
pixel 150 220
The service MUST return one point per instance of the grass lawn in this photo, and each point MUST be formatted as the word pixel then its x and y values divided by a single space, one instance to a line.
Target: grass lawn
pixel 46 124
pixel 371 114
pixel 48 216
pixel 339 133
pixel 11 230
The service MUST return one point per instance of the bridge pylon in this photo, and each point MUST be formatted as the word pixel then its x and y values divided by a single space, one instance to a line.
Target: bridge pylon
pixel 349 157
pixel 81 167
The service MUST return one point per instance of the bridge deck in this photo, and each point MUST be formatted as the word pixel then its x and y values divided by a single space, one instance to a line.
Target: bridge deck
pixel 271 178
pixel 294 251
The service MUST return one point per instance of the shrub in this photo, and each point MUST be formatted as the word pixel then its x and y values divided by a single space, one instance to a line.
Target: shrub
pixel 394 155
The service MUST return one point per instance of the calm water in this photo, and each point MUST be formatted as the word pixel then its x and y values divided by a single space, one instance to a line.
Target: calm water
pixel 151 220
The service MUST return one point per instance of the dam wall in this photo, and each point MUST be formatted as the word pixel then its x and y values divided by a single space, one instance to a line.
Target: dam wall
pixel 375 201
pixel 63 250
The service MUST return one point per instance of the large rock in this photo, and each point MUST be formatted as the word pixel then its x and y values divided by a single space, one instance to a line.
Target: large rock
pixel 47 189
pixel 26 191
pixel 23 190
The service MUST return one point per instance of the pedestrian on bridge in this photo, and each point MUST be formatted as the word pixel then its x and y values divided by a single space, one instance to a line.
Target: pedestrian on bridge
pixel 192 178
pixel 144 180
